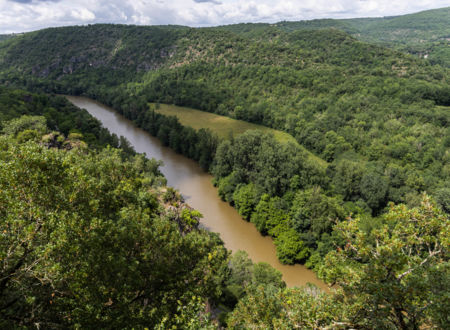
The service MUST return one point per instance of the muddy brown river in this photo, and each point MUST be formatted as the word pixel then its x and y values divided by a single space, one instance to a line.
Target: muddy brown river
pixel 196 187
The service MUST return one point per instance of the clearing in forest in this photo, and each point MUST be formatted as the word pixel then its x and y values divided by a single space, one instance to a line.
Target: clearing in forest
pixel 224 126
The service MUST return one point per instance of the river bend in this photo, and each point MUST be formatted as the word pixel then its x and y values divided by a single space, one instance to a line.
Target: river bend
pixel 196 187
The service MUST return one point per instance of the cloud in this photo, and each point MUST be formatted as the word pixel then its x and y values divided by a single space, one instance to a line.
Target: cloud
pixel 27 15
pixel 33 1
pixel 82 14
pixel 211 1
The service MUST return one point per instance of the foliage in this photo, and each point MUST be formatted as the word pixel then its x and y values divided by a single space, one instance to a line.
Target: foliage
pixel 35 123
pixel 305 308
pixel 245 198
pixel 396 275
pixel 58 113
pixel 269 213
pixel 313 214
pixel 290 248
pixel 245 277
pixel 71 219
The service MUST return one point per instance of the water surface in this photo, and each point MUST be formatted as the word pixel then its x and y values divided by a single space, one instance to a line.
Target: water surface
pixel 195 185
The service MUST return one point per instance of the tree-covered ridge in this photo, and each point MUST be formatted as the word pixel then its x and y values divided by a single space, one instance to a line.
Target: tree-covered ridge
pixel 430 25
pixel 122 48
pixel 425 26
pixel 425 34
pixel 377 116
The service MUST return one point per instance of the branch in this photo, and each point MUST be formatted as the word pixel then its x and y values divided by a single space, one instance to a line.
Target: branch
pixel 432 254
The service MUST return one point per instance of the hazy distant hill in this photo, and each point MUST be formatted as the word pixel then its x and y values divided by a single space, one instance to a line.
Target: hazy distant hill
pixel 426 26
pixel 6 36
pixel 426 34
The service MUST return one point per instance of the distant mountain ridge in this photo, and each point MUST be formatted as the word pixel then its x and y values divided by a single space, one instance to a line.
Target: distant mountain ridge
pixel 426 33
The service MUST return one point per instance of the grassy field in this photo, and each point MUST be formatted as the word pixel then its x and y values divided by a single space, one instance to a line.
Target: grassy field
pixel 224 126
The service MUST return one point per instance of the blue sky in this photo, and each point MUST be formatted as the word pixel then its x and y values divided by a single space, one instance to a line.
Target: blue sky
pixel 28 15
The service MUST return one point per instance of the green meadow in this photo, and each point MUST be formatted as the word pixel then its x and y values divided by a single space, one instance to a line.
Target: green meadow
pixel 223 126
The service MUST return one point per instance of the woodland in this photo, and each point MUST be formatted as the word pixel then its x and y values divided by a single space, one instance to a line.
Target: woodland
pixel 369 213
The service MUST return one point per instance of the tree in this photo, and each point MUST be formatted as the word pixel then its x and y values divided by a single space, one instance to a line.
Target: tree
pixel 347 179
pixel 313 214
pixel 373 188
pixel 245 277
pixel 85 242
pixel 397 275
pixel 245 198
pixel 443 198
pixel 297 308
pixel 290 248
pixel 265 274
pixel 227 186
pixel 269 213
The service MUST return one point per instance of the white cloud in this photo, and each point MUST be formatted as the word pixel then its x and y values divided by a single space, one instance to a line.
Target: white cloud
pixel 83 14
pixel 27 15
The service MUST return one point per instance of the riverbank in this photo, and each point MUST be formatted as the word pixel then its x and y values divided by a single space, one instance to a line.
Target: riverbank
pixel 225 127
pixel 196 187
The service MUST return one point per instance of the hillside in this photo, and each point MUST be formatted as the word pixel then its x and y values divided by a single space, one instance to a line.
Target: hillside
pixel 379 117
pixel 425 26
pixel 425 34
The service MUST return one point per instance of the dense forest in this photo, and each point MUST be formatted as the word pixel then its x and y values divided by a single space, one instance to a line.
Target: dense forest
pixel 91 236
pixel 425 34
pixel 377 119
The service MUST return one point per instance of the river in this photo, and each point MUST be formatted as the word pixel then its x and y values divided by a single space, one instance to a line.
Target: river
pixel 196 187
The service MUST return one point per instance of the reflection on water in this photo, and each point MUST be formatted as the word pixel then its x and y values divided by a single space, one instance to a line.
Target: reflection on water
pixel 195 186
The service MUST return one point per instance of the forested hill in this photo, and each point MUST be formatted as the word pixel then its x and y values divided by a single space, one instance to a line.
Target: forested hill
pixel 344 100
pixel 425 34
pixel 377 117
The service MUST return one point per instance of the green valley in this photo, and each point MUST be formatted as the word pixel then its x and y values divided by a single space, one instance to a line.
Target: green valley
pixel 329 136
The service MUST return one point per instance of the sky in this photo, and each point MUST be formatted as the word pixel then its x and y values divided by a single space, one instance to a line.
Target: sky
pixel 28 15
